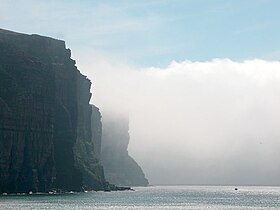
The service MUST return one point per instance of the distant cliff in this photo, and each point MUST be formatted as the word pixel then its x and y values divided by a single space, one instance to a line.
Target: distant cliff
pixel 45 118
pixel 119 167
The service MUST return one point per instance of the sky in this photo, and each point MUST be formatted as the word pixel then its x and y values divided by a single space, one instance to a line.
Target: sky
pixel 200 79
pixel 154 32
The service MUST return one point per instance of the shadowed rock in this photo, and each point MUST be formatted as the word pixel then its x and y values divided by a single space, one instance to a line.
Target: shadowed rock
pixel 45 118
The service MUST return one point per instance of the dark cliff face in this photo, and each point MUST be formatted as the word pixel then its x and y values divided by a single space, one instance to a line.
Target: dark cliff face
pixel 96 127
pixel 45 118
pixel 119 168
pixel 87 158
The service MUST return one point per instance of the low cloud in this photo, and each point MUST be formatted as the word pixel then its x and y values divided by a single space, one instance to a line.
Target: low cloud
pixel 214 122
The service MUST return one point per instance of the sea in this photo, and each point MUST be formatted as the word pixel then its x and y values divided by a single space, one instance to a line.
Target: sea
pixel 153 197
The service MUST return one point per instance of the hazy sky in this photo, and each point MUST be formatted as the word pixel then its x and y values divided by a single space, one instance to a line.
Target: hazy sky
pixel 200 79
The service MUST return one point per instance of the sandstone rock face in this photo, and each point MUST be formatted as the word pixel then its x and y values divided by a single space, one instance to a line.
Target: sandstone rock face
pixel 45 118
pixel 119 167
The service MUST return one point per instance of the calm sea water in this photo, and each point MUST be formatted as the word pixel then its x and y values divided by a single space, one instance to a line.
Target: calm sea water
pixel 156 197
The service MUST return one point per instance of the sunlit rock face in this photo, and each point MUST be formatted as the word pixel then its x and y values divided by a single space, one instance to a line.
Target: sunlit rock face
pixel 119 168
pixel 45 118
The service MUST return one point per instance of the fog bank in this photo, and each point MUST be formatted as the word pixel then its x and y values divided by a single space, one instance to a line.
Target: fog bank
pixel 214 122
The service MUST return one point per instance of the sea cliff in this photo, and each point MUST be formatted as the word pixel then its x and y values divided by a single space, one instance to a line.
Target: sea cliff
pixel 119 167
pixel 50 136
pixel 45 118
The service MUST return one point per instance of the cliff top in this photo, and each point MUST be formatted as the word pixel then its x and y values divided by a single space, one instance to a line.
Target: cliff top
pixel 3 31
pixel 7 32
pixel 37 45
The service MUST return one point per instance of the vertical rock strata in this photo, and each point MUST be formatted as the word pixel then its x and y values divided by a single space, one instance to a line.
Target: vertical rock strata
pixel 119 167
pixel 96 128
pixel 45 118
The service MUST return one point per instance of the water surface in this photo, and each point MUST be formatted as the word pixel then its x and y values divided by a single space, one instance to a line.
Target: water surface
pixel 155 197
